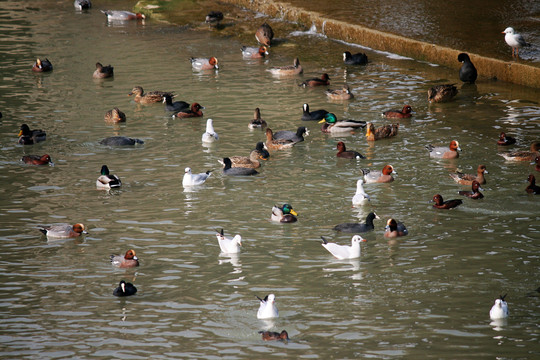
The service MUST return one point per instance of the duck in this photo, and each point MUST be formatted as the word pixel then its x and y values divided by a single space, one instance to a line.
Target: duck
pixel 354 59
pixel 272 335
pixel 150 97
pixel 382 132
pixel 236 171
pixel 395 229
pixel 174 106
pixel 467 72
pixel 312 115
pixel 191 179
pixel 107 181
pixel 122 15
pixel 275 144
pixel 532 188
pixel 204 63
pixel 343 252
pixel 287 70
pixel 499 310
pixel 379 176
pixel 82 4
pixel 257 122
pixel 441 204
pixel 505 140
pixel 340 94
pixel 128 260
pixel 214 17
pixel 63 231
pixel 229 245
pixel 29 137
pixel 253 160
pixel 347 154
pixel 404 113
pixel 253 52
pixel 115 115
pixel 442 93
pixel 264 34
pixel 514 40
pixel 193 111
pixel 209 135
pixel 442 152
pixel 358 227
pixel 125 289
pixel 37 160
pixel 523 155
pixel 537 162
pixel 284 214
pixel 120 141
pixel 267 308
pixel 467 179
pixel 324 80
pixel 103 72
pixel 360 196
pixel 475 191
pixel 332 125
pixel 296 136
pixel 42 65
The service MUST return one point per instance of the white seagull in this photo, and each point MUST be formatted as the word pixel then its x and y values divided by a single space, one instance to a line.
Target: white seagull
pixel 267 309
pixel 500 309
pixel 344 251
pixel 228 245
pixel 210 135
pixel 194 179
pixel 514 40
pixel 360 197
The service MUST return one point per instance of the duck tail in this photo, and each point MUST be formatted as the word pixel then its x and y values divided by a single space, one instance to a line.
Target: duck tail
pixel 44 231
pixel 324 240
pixel 365 171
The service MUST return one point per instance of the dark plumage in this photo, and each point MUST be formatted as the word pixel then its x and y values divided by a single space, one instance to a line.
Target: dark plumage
pixel 264 34
pixel 193 111
pixel 403 113
pixel 358 227
pixel 174 106
pixel 475 191
pixel 381 132
pixel 322 81
pixel 37 160
pixel 214 17
pixel 467 72
pixel 103 72
pixel 449 204
pixel 313 115
pixel 29 137
pixel 354 59
pixel 297 136
pixel 120 141
pixel 42 66
pixel 236 171
pixel 505 140
pixel 532 188
pixel 347 154
pixel 442 93
pixel 125 289
pixel 271 335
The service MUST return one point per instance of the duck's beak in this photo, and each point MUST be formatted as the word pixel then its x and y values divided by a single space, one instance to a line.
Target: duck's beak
pixel 323 120
pixel 294 212
pixel 20 133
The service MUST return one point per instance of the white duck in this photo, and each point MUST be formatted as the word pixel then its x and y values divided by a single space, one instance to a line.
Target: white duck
pixel 500 309
pixel 194 179
pixel 267 309
pixel 228 245
pixel 360 197
pixel 210 135
pixel 344 251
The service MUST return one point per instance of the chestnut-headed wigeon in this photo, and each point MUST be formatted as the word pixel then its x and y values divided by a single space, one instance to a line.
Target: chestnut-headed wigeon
pixel 448 204
pixel 204 63
pixel 442 152
pixel 467 179
pixel 404 113
pixel 128 260
pixel 63 231
pixel 252 52
pixel 379 176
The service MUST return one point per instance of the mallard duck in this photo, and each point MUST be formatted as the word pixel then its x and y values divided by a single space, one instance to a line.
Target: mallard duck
pixel 150 97
pixel 37 160
pixel 522 155
pixel 475 191
pixel 296 136
pixel 191 179
pixel 354 59
pixel 257 122
pixel 107 181
pixel 442 152
pixel 403 113
pixel 448 204
pixel 382 132
pixel 122 15
pixel 340 94
pixel 272 335
pixel 343 252
pixel 253 52
pixel 29 137
pixel 128 260
pixel 103 72
pixel 229 245
pixel 125 289
pixel 264 34
pixel 322 81
pixel 442 93
pixel 468 179
pixel 63 231
pixel 42 65
pixel 347 154
pixel 251 161
pixel 395 229
pixel 467 72
pixel 284 214
pixel 287 70
pixel 275 144
pixel 204 63
pixel 332 125
pixel 115 115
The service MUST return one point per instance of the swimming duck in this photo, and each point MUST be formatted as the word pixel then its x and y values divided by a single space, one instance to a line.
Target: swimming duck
pixel 288 70
pixel 467 72
pixel 442 93
pixel 537 162
pixel 229 245
pixel 322 81
pixel 354 59
pixel 214 17
pixel 499 310
pixel 505 140
pixel 107 181
pixel 267 308
pixel 122 15
pixel 275 144
pixel 251 161
pixel 209 135
pixel 191 179
pixel 340 94
pixel 37 160
pixel 332 125
pixel 103 72
pixel 120 141
pixel 403 113
pixel 284 214
pixel 42 65
pixel 150 97
pixel 342 252
pixel 379 176
pixel 236 171
pixel 514 40
pixel 264 34
pixel 63 231
pixel 382 132
pixel 449 204
pixel 522 155
pixel 257 122
pixel 252 52
pixel 296 136
pixel 358 227
pixel 441 152
pixel 125 289
pixel 467 179
pixel 82 4
pixel 204 63
pixel 475 191
pixel 174 106
pixel 532 188
pixel 347 154
pixel 312 115
pixel 115 116
pixel 395 229
pixel 128 260
pixel 193 111
pixel 360 197
pixel 272 335
pixel 29 137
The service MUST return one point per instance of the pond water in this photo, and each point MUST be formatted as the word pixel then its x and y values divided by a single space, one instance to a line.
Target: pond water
pixel 424 295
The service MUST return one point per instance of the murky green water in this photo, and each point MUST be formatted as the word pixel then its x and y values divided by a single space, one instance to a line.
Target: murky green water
pixel 426 295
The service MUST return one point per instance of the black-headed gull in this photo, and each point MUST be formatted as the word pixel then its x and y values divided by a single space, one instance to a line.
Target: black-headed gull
pixel 344 251
pixel 360 197
pixel 210 135
pixel 267 309
pixel 229 245
pixel 194 179
pixel 514 40
pixel 500 309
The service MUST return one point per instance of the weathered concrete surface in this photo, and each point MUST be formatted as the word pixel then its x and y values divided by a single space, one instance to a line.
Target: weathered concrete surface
pixel 510 71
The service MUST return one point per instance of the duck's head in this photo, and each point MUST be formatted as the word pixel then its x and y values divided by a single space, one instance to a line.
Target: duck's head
pixel 24 130
pixel 104 170
pixel 287 209
pixel 79 228
pixel 369 129
pixel 329 118
pixel 454 145
pixel 130 255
